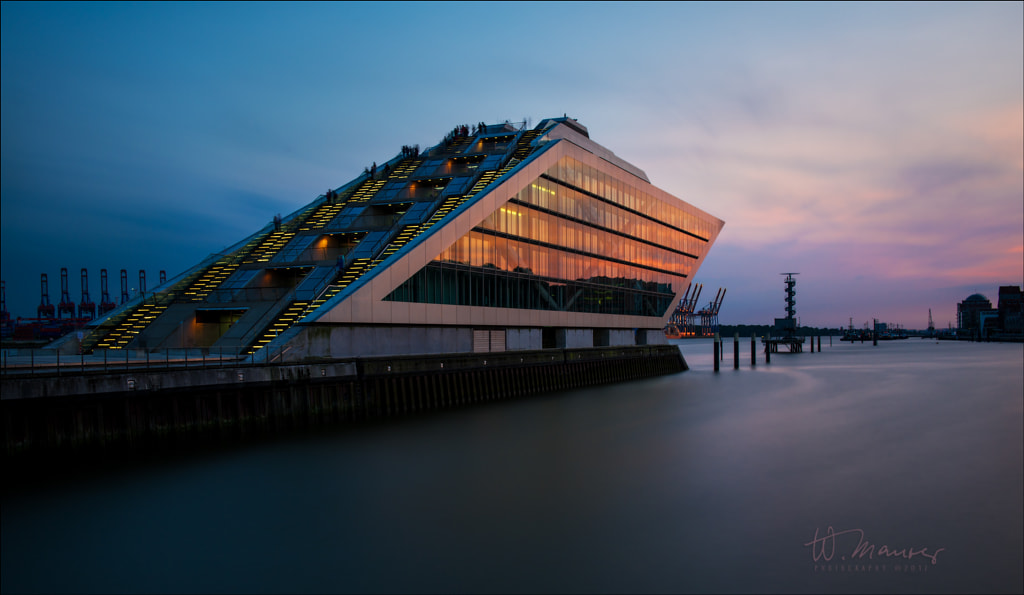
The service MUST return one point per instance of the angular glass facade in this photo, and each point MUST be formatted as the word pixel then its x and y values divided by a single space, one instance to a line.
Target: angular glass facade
pixel 576 240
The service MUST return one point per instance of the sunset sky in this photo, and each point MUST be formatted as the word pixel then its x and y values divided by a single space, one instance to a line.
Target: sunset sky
pixel 876 149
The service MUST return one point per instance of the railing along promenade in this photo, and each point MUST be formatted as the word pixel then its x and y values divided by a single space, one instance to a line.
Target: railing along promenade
pixel 38 362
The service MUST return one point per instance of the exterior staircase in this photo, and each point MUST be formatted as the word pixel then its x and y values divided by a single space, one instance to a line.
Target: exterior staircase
pixel 278 325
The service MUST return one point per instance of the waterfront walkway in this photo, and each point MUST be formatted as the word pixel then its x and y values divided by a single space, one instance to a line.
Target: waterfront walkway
pixel 20 362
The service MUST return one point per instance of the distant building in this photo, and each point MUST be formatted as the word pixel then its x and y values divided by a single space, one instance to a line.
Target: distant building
pixel 969 313
pixel 498 238
pixel 976 316
pixel 1011 310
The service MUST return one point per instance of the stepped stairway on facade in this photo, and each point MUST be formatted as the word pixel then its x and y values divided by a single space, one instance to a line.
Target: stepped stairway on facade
pixel 196 289
pixel 120 331
pixel 405 168
pixel 327 211
pixel 133 324
pixel 361 266
pixel 278 325
pixel 404 236
pixel 365 193
pixel 277 239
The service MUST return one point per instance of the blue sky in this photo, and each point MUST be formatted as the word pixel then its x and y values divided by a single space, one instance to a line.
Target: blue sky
pixel 878 149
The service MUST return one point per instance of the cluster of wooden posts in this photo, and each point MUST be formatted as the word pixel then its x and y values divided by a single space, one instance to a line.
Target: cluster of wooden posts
pixel 719 350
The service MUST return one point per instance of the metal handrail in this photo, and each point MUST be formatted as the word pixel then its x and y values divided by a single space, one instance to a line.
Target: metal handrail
pixel 323 287
pixel 251 294
pixel 310 307
pixel 40 362
pixel 271 313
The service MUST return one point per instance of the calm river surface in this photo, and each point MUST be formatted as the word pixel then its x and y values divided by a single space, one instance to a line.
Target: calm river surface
pixel 691 482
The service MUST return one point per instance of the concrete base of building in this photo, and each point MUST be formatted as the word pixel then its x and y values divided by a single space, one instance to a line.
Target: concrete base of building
pixel 327 341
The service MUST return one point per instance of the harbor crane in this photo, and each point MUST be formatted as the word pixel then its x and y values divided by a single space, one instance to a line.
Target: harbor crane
pixel 106 304
pixel 5 316
pixel 684 319
pixel 45 308
pixel 709 314
pixel 86 307
pixel 66 306
pixel 124 286
pixel 681 323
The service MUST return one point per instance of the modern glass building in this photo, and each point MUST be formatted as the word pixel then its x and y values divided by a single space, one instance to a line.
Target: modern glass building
pixel 499 238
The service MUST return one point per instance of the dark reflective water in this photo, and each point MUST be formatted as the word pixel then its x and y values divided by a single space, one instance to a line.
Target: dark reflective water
pixel 694 482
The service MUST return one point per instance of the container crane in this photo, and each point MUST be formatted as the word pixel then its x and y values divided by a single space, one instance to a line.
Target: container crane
pixel 5 316
pixel 692 305
pixel 106 304
pixel 681 309
pixel 86 307
pixel 124 286
pixel 45 308
pixel 66 306
pixel 680 324
pixel 709 314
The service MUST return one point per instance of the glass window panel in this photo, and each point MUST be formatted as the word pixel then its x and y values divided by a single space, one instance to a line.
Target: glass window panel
pixel 527 263
pixel 463 250
pixel 490 256
pixel 540 261
pixel 476 249
pixel 512 255
pixel 501 254
pixel 514 215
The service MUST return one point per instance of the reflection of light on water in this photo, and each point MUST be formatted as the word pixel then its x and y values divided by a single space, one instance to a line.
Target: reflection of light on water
pixel 694 481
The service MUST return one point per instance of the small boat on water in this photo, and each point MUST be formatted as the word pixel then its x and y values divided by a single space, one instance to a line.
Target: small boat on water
pixel 856 335
pixel 866 335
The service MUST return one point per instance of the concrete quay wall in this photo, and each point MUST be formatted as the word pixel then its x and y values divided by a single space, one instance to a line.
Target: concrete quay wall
pixel 142 381
pixel 132 409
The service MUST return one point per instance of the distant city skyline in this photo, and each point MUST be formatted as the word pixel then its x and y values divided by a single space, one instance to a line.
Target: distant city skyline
pixel 877 149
